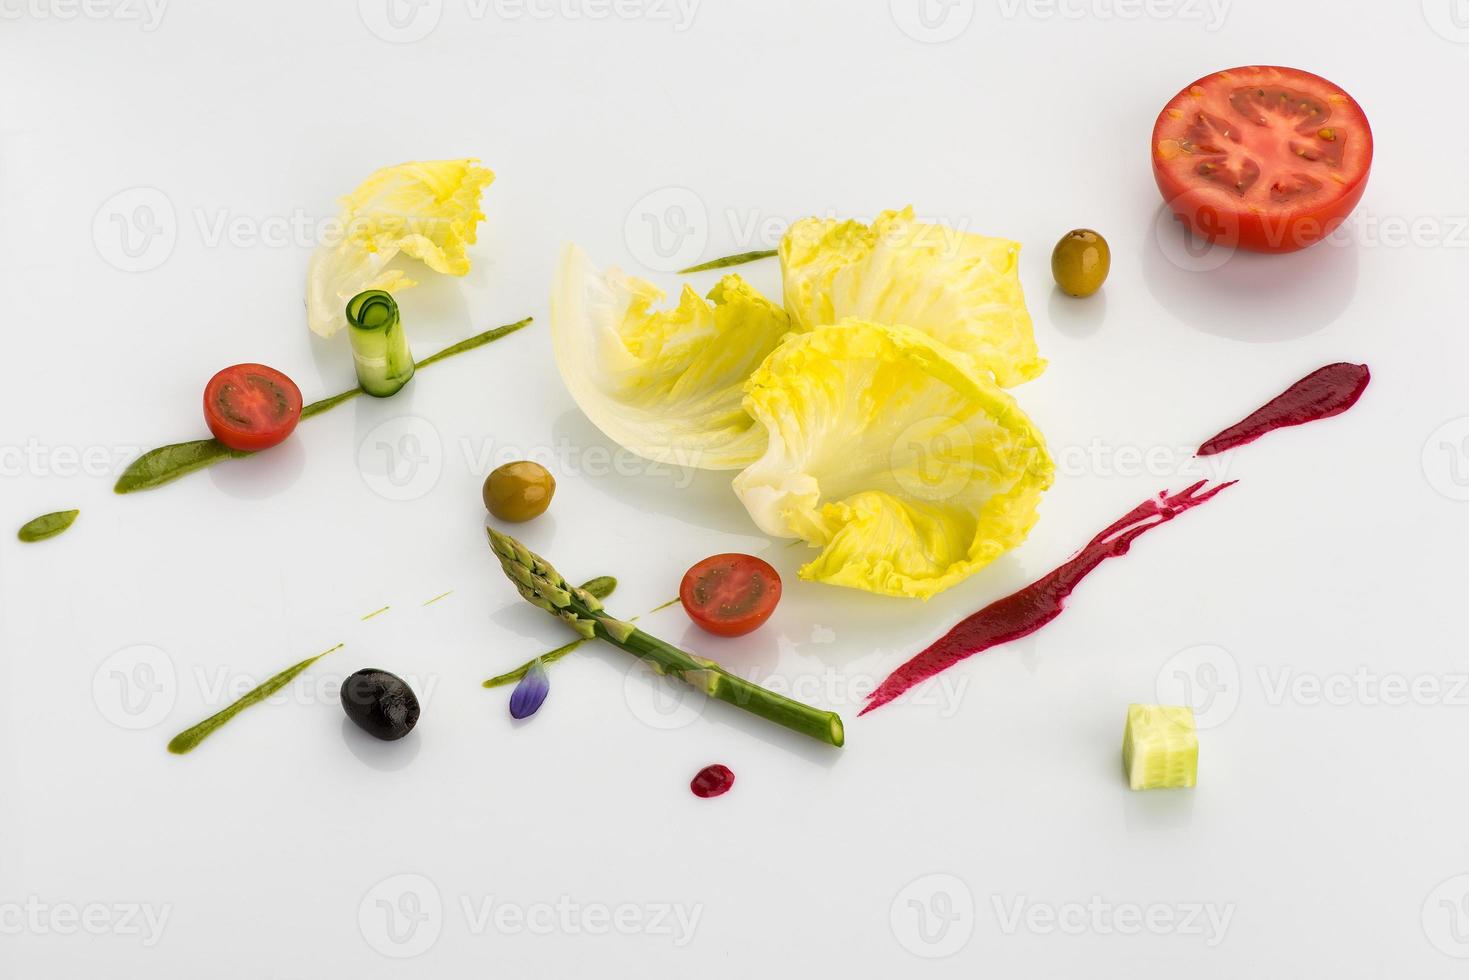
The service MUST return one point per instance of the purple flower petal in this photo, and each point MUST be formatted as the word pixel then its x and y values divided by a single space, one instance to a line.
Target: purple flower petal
pixel 531 692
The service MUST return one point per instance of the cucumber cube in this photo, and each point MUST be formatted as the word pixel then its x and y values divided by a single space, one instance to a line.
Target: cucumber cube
pixel 1160 749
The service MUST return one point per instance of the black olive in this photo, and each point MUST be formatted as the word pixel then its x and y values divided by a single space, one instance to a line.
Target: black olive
pixel 380 703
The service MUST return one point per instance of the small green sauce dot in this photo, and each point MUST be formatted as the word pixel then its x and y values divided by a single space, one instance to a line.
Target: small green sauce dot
pixel 602 586
pixel 46 526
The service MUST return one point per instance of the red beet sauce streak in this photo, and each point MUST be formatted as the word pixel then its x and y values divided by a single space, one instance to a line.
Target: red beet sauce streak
pixel 1321 394
pixel 712 780
pixel 1040 602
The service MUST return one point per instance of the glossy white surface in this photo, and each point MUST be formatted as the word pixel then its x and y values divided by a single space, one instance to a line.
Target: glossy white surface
pixel 983 828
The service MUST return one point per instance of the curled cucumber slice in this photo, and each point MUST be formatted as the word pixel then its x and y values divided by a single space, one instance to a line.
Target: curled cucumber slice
pixel 379 346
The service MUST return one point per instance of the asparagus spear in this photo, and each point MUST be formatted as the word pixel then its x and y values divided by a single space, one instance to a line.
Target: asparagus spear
pixel 542 586
pixel 602 586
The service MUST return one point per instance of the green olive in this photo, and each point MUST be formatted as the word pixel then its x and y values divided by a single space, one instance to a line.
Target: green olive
pixel 1081 262
pixel 519 491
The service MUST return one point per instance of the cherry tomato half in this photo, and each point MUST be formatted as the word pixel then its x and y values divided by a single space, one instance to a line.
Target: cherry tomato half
pixel 730 595
pixel 251 406
pixel 1264 158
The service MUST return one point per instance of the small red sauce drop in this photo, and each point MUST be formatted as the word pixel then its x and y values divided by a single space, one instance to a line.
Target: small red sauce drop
pixel 1321 394
pixel 1040 602
pixel 712 780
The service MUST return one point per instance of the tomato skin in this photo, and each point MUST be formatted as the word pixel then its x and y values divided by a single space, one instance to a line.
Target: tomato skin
pixel 250 407
pixel 1257 232
pixel 1249 226
pixel 730 594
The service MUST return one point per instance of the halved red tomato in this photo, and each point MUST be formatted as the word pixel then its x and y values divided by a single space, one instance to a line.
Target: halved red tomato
pixel 1264 158
pixel 251 406
pixel 730 595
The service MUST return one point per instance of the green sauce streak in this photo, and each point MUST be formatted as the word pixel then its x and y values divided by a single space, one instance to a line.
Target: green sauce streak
pixel 164 465
pixel 188 740
pixel 729 260
pixel 478 340
pixel 167 463
pixel 46 526
pixel 436 598
pixel 602 586
pixel 317 407
pixel 376 612
pixel 523 669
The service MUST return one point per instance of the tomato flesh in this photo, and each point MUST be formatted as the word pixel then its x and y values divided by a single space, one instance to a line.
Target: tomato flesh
pixel 251 407
pixel 730 595
pixel 1264 158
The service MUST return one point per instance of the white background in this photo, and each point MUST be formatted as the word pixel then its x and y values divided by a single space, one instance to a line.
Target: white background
pixel 1328 828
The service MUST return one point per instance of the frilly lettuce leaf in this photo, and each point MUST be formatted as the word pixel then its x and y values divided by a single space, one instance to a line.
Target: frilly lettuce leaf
pixel 428 210
pixel 895 455
pixel 959 288
pixel 667 385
